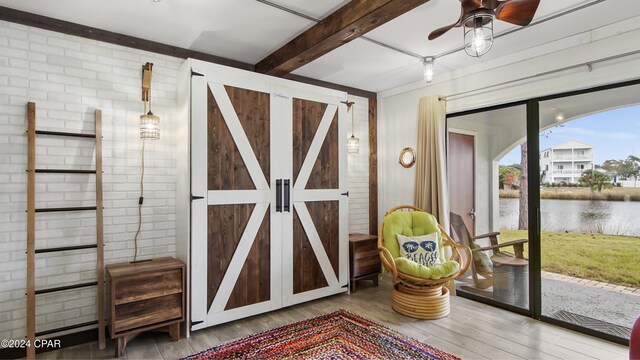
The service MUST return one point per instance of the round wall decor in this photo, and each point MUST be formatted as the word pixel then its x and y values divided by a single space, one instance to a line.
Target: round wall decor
pixel 407 157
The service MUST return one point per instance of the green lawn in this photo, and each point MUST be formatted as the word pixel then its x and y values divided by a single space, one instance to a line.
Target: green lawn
pixel 607 258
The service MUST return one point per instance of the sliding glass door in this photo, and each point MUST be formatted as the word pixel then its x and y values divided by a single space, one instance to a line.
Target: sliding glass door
pixel 546 192
pixel 590 203
pixel 487 157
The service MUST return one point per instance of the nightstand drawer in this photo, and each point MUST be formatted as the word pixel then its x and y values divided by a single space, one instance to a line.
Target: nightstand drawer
pixel 366 265
pixel 147 312
pixel 146 286
pixel 365 249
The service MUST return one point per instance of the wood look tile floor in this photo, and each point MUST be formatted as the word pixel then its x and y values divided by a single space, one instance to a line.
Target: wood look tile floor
pixel 472 331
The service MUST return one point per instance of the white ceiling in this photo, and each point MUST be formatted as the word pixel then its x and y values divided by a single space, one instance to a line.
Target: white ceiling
pixel 248 30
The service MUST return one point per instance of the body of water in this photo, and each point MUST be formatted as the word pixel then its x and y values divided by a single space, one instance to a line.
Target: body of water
pixel 581 216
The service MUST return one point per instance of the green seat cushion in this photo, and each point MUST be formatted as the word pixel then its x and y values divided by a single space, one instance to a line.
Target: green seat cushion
pixel 436 272
pixel 482 262
pixel 409 223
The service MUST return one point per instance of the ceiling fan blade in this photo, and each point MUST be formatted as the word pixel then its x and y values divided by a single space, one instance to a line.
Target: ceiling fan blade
pixel 440 31
pixel 518 12
pixel 466 7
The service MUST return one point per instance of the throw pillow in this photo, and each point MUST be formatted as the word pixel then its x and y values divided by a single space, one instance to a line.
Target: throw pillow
pixel 421 249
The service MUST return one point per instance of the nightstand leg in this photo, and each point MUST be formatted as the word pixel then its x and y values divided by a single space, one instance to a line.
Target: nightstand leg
pixel 174 332
pixel 120 345
pixel 375 280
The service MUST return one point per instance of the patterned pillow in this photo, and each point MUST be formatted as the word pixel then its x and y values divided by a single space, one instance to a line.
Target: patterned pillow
pixel 421 249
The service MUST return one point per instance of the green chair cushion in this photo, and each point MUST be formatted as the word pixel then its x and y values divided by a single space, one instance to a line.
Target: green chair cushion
pixel 433 273
pixel 409 223
pixel 482 262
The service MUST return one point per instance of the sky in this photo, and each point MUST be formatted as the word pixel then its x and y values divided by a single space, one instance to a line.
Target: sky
pixel 614 134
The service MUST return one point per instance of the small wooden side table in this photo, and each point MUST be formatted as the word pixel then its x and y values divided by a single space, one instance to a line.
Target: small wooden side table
pixel 144 296
pixel 364 260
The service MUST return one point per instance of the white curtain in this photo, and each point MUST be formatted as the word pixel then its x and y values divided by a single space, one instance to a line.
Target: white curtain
pixel 432 193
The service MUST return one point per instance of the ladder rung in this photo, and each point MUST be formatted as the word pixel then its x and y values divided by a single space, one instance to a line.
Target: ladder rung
pixel 66 248
pixel 61 133
pixel 65 328
pixel 64 171
pixel 68 287
pixel 80 208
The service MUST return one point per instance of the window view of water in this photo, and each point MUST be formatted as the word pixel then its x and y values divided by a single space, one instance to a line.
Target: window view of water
pixel 581 216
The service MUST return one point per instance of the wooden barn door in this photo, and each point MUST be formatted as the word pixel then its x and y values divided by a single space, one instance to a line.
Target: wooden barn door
pixel 268 218
pixel 315 253
pixel 232 157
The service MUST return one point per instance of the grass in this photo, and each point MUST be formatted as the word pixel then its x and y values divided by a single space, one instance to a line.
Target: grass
pixel 581 193
pixel 606 258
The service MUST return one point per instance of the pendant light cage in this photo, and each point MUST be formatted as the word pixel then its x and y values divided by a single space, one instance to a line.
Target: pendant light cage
pixel 478 32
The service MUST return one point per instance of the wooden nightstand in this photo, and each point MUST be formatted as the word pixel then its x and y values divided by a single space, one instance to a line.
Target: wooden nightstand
pixel 364 260
pixel 143 296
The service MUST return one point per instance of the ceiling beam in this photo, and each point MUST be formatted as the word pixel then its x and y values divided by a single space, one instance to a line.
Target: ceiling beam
pixel 349 22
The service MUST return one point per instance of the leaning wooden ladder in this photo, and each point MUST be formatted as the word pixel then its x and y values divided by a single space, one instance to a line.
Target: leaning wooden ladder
pixel 31 232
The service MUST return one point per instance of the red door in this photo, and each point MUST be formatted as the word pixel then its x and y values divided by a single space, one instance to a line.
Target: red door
pixel 462 177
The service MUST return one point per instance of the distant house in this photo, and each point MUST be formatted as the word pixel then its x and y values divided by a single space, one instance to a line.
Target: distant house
pixel 566 162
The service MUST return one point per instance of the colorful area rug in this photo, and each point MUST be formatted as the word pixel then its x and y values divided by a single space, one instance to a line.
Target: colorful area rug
pixel 337 335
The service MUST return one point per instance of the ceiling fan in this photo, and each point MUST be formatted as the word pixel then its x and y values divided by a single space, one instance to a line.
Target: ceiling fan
pixel 476 18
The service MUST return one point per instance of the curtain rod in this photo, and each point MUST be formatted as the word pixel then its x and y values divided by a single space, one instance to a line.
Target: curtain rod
pixel 588 64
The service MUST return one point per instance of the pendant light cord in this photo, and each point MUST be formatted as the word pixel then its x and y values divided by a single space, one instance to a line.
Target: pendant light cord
pixel 135 239
pixel 353 126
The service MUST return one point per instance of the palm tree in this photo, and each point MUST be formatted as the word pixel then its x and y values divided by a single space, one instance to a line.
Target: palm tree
pixel 595 180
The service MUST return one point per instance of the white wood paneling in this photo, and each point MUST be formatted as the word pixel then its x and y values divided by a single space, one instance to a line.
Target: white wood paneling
pixel 358 173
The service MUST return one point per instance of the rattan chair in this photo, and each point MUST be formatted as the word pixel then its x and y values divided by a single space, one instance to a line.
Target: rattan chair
pixel 411 295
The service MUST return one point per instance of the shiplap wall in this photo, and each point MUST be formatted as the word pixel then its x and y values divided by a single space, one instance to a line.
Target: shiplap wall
pixel 359 168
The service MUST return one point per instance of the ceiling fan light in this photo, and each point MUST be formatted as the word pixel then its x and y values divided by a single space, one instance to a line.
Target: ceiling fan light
pixel 478 32
pixel 428 65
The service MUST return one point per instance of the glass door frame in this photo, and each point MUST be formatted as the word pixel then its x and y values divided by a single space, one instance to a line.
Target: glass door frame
pixel 534 217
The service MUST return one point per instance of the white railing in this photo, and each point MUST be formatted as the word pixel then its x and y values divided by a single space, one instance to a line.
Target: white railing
pixel 569 171
pixel 572 157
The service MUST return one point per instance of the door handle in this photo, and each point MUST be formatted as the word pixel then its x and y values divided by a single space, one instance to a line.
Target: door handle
pixel 279 195
pixel 286 195
pixel 472 213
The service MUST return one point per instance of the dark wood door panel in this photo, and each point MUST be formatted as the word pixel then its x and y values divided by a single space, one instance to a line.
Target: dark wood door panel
pixel 307 274
pixel 226 223
pixel 326 218
pixel 325 173
pixel 306 120
pixel 226 169
pixel 253 110
pixel 254 282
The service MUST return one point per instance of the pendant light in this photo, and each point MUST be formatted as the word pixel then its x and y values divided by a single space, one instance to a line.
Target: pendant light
pixel 353 143
pixel 478 32
pixel 428 67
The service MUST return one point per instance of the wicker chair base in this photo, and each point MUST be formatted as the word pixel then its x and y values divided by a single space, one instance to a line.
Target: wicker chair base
pixel 426 303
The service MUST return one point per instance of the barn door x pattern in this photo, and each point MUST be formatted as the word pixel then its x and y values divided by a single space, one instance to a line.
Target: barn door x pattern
pixel 271 231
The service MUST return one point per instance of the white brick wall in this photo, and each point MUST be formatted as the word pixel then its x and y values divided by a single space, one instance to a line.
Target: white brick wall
pixel 68 77
pixel 359 169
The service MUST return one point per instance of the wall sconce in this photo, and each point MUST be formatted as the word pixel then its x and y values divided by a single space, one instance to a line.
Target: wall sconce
pixel 149 123
pixel 353 143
